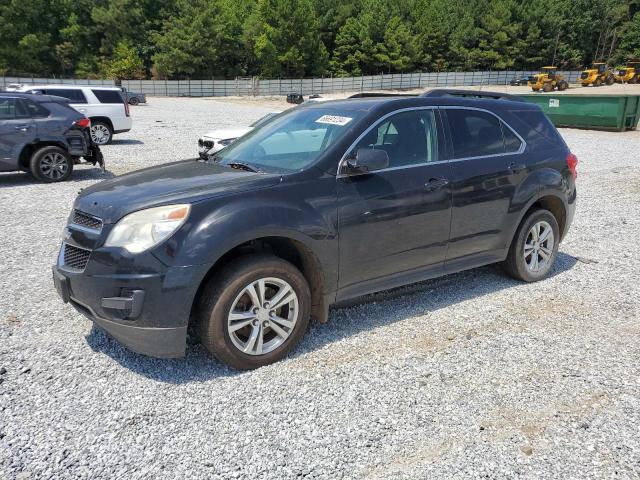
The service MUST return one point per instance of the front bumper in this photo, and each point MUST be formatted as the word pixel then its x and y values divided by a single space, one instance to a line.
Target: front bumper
pixel 146 309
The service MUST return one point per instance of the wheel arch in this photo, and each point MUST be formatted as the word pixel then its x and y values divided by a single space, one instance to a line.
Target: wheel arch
pixel 548 201
pixel 106 120
pixel 287 248
pixel 31 148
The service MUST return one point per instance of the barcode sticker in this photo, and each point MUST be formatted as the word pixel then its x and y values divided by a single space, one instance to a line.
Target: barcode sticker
pixel 334 120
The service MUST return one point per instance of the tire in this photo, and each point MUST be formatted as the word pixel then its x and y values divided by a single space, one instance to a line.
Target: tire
pixel 227 292
pixel 518 264
pixel 134 101
pixel 598 82
pixel 562 85
pixel 101 133
pixel 547 87
pixel 634 79
pixel 51 164
pixel 609 80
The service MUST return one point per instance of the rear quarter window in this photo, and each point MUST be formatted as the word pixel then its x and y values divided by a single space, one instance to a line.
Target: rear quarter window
pixel 108 96
pixel 7 108
pixel 536 123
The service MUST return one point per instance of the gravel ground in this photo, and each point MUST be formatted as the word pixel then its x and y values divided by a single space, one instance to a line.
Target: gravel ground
pixel 470 376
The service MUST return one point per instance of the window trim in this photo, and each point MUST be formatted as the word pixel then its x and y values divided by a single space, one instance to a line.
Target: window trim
pixel 343 159
pixel 523 144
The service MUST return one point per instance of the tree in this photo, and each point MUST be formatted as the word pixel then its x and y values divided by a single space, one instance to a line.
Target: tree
pixel 125 63
pixel 285 40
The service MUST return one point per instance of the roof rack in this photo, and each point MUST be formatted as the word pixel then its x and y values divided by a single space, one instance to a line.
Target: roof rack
pixel 451 92
pixel 382 94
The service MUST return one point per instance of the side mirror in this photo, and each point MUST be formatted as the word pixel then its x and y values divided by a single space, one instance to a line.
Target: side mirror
pixel 368 160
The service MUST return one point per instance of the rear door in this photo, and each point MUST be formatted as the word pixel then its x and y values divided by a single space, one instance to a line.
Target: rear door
pixel 16 130
pixel 394 223
pixel 486 168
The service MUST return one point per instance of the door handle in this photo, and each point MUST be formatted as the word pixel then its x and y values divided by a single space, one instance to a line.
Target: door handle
pixel 23 128
pixel 435 183
pixel 516 167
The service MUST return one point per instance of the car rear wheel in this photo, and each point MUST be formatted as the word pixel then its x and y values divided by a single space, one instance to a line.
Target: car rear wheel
pixel 134 101
pixel 534 247
pixel 101 133
pixel 254 312
pixel 51 164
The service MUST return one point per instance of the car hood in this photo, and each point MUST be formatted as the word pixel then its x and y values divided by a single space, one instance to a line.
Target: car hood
pixel 225 133
pixel 186 181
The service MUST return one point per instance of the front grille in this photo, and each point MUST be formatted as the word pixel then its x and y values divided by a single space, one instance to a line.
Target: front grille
pixel 75 257
pixel 86 220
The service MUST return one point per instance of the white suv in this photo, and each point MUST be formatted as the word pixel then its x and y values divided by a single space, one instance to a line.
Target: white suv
pixel 104 106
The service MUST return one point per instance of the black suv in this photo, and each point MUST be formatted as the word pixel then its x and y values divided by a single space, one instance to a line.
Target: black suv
pixel 44 135
pixel 325 202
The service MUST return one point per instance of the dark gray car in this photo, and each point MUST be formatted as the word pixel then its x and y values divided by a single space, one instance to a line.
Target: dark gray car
pixel 133 98
pixel 44 135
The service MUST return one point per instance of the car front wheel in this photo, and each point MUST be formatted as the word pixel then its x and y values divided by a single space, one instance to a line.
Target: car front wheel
pixel 534 248
pixel 254 311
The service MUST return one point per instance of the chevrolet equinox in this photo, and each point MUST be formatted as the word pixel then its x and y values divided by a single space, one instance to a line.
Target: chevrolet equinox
pixel 325 202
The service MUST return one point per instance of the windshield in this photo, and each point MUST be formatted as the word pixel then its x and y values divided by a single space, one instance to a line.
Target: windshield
pixel 291 141
pixel 264 119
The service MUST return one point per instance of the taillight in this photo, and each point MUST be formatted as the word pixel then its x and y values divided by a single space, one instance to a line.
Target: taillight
pixel 126 108
pixel 83 123
pixel 572 163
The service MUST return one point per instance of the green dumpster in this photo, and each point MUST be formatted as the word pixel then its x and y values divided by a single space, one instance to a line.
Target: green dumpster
pixel 607 112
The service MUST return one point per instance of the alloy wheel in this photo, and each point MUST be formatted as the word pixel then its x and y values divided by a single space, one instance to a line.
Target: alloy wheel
pixel 54 166
pixel 262 316
pixel 100 134
pixel 538 246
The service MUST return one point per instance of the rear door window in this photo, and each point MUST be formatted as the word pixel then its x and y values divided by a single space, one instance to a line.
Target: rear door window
pixel 73 94
pixel 512 143
pixel 108 96
pixel 35 110
pixel 475 133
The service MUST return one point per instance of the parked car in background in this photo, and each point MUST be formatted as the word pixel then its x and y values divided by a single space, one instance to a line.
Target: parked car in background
pixel 133 98
pixel 519 81
pixel 13 87
pixel 243 251
pixel 215 140
pixel 44 135
pixel 104 106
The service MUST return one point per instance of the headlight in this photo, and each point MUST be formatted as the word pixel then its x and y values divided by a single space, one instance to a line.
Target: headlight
pixel 139 231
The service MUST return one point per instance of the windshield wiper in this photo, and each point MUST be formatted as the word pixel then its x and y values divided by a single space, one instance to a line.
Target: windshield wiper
pixel 243 166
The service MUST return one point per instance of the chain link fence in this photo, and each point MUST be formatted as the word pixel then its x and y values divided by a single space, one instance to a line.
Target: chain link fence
pixel 254 86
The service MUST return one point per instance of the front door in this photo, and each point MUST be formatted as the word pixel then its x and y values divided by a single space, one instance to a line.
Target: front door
pixel 394 223
pixel 16 130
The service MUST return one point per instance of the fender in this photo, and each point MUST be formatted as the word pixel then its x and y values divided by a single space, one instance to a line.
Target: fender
pixel 540 183
pixel 286 210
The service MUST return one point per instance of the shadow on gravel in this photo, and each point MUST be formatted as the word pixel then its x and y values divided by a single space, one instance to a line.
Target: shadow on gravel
pixel 127 141
pixel 17 179
pixel 345 319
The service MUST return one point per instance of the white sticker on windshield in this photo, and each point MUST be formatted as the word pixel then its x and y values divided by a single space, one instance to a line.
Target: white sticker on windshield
pixel 334 120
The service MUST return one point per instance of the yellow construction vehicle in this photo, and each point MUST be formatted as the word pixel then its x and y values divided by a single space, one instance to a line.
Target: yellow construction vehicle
pixel 597 75
pixel 628 74
pixel 547 80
